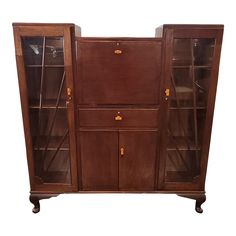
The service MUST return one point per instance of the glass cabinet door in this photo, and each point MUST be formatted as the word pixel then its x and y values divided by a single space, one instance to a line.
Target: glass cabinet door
pixel 46 87
pixel 189 86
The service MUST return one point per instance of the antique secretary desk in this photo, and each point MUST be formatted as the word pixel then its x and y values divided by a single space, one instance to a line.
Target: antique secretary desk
pixel 117 114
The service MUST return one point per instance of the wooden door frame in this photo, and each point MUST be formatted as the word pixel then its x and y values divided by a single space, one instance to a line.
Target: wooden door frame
pixel 39 30
pixel 187 31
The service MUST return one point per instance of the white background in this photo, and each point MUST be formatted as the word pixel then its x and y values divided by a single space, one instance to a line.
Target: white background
pixel 117 214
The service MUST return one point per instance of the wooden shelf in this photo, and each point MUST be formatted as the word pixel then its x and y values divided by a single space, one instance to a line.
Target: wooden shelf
pixel 47 104
pixel 189 66
pixel 47 66
pixel 186 108
pixel 180 176
pixel 56 177
pixel 53 144
pixel 182 144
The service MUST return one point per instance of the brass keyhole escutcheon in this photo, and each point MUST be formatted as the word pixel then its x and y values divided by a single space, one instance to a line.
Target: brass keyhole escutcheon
pixel 167 93
pixel 69 94
pixel 122 151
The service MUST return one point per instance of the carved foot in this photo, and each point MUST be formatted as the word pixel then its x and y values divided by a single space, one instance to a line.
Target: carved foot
pixel 199 202
pixel 35 201
pixel 35 198
pixel 200 199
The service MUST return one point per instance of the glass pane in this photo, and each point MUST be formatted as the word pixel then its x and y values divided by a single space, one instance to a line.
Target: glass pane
pixel 181 87
pixel 190 83
pixel 33 50
pixel 51 86
pixel 185 136
pixel 203 51
pixel 45 75
pixel 202 85
pixel 182 52
pixel 54 51
pixel 182 166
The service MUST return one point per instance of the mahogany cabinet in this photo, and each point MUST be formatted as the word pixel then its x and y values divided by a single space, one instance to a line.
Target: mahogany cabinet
pixel 117 114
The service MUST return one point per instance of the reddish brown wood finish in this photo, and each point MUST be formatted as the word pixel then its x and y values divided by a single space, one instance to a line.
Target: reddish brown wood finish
pixel 99 160
pixel 31 30
pixel 137 165
pixel 109 78
pixel 184 31
pixel 105 75
pixel 102 117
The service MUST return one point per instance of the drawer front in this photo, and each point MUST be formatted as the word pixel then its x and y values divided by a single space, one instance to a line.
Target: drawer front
pixel 118 117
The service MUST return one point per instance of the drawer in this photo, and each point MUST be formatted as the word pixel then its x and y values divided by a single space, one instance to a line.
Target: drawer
pixel 118 117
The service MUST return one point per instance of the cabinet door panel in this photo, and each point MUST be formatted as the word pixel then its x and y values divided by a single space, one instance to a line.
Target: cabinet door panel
pixel 192 64
pixel 47 108
pixel 99 160
pixel 45 70
pixel 131 77
pixel 137 159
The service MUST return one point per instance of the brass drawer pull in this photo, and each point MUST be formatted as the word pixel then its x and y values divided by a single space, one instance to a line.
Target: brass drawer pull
pixel 118 118
pixel 122 151
pixel 117 51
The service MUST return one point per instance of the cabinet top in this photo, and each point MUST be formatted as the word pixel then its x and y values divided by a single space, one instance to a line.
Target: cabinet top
pixel 194 26
pixel 41 24
pixel 158 32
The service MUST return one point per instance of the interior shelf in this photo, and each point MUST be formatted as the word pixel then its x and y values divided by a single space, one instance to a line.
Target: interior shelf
pixel 56 177
pixel 47 104
pixel 189 66
pixel 48 66
pixel 53 143
pixel 180 176
pixel 187 108
pixel 182 144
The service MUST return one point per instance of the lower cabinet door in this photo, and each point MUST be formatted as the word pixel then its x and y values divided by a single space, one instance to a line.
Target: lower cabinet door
pixel 137 160
pixel 99 160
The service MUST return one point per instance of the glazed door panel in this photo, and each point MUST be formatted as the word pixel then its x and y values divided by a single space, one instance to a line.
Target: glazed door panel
pixel 191 76
pixel 46 83
pixel 99 160
pixel 137 160
pixel 46 93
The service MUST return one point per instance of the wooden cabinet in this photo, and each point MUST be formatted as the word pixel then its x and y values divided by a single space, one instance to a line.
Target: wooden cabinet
pixel 44 55
pixel 126 161
pixel 117 114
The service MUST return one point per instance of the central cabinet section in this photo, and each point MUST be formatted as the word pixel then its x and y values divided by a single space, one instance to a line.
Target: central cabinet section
pixel 118 113
pixel 118 160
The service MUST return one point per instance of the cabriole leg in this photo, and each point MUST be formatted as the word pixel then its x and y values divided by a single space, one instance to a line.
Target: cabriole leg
pixel 35 198
pixel 200 199
pixel 35 201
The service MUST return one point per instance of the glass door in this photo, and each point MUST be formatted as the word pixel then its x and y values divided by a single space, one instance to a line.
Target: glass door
pixel 47 101
pixel 190 80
